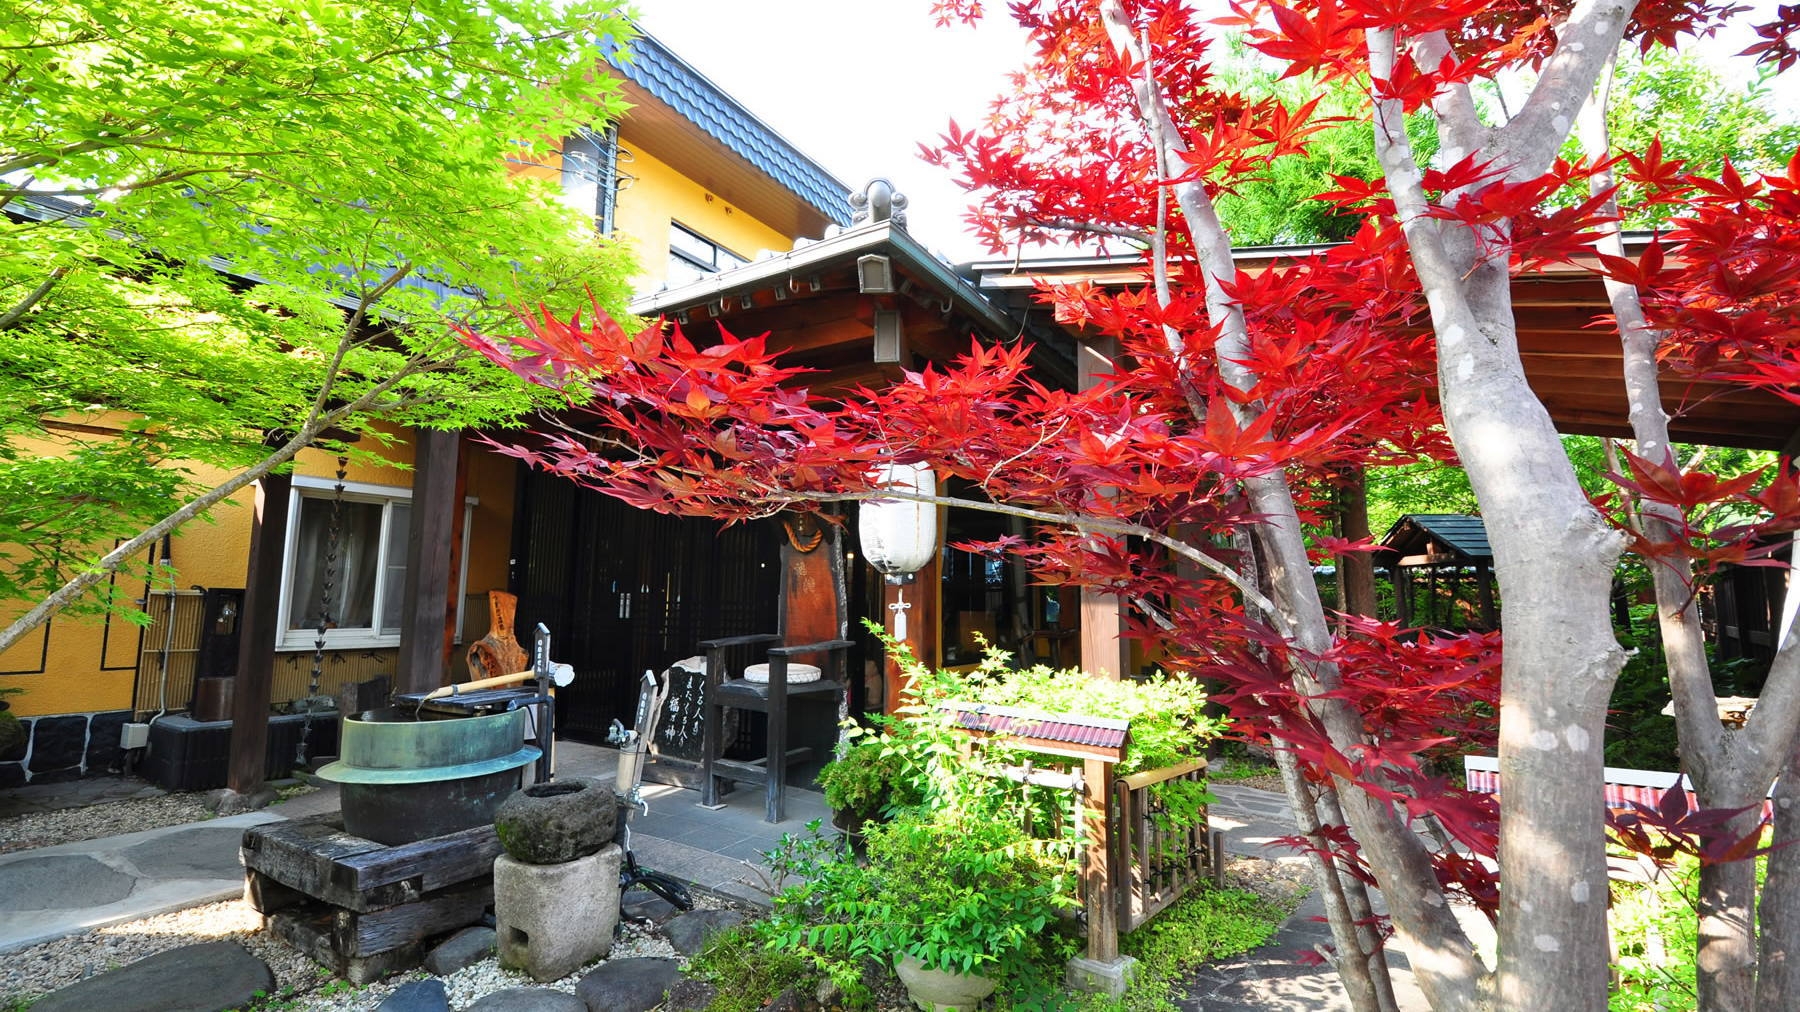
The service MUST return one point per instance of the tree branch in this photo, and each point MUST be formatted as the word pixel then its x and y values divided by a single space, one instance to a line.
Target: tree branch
pixel 1584 45
pixel 12 316
pixel 1099 228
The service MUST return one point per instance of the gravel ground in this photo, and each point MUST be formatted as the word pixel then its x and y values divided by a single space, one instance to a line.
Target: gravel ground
pixel 69 825
pixel 303 985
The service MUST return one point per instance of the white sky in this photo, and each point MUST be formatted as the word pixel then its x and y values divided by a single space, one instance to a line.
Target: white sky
pixel 858 84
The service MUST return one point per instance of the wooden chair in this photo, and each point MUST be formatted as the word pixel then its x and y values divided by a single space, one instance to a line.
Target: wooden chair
pixel 776 698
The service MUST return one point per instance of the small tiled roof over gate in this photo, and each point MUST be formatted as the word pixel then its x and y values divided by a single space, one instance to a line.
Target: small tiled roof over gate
pixel 1457 534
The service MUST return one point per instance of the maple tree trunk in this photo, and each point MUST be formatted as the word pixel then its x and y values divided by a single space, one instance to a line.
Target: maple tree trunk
pixel 1554 557
pixel 1726 961
pixel 1778 916
pixel 1363 984
pixel 1444 962
pixel 1553 553
pixel 1362 913
pixel 1727 769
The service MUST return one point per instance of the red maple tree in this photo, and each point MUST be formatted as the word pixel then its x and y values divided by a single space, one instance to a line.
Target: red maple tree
pixel 1187 480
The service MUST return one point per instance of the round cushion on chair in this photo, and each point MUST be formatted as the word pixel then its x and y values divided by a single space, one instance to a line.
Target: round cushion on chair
pixel 797 673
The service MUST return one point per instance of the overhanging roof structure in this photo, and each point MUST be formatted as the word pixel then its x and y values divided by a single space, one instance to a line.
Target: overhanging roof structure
pixel 812 302
pixel 1419 539
pixel 1569 348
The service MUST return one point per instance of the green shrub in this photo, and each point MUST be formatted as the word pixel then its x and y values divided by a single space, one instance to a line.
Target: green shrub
pixel 873 774
pixel 1657 934
pixel 749 973
pixel 956 890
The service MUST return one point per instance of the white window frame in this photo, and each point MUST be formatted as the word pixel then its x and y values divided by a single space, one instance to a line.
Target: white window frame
pixel 364 638
pixel 710 265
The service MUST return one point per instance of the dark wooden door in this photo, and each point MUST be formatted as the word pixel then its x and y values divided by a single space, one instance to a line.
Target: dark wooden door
pixel 624 590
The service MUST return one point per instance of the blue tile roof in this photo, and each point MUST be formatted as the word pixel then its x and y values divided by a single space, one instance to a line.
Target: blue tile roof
pixel 651 66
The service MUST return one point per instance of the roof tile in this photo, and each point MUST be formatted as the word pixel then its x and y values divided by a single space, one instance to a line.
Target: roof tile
pixel 663 74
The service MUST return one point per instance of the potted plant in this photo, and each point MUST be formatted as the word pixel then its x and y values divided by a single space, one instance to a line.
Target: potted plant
pixel 868 780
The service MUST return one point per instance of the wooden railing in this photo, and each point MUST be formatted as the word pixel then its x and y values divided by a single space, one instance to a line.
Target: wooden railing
pixel 1152 863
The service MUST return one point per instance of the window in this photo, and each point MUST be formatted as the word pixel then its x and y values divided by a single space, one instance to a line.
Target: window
pixel 367 572
pixel 692 256
pixel 590 175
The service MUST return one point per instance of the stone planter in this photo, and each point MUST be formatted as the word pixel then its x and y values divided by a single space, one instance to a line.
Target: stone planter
pixel 941 990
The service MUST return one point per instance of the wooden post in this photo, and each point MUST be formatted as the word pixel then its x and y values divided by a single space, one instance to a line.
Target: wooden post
pixel 1356 570
pixel 1484 589
pixel 920 598
pixel 1102 910
pixel 1103 652
pixel 420 666
pixel 458 553
pixel 257 633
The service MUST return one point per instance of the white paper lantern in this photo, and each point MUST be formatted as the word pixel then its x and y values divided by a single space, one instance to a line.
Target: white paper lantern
pixel 899 536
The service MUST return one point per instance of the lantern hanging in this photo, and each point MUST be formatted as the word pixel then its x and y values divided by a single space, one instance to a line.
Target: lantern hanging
pixel 899 536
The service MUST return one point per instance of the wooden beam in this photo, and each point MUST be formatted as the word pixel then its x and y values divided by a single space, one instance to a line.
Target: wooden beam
pixel 246 770
pixel 435 512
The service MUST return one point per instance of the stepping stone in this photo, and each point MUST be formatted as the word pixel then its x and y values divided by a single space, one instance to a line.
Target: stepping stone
pixel 61 882
pixel 689 932
pixel 209 977
pixel 646 906
pixel 417 996
pixel 207 852
pixel 529 999
pixel 463 949
pixel 627 985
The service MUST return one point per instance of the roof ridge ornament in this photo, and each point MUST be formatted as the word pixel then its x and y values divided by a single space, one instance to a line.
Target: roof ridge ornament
pixel 878 201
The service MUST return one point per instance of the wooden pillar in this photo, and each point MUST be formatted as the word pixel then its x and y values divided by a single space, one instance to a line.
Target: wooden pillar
pixel 1356 570
pixel 256 638
pixel 435 511
pixel 458 553
pixel 920 599
pixel 1402 597
pixel 1484 589
pixel 1103 652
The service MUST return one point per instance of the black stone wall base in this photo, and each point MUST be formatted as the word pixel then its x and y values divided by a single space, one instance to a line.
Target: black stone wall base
pixel 58 743
pixel 65 747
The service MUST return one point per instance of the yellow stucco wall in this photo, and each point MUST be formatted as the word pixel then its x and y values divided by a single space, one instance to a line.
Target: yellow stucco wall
pixel 90 664
pixel 657 195
pixel 79 665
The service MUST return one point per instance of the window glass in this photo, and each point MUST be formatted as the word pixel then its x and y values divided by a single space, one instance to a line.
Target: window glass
pixel 368 573
pixel 684 272
pixel 692 256
pixel 350 601
pixel 701 249
pixel 393 583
